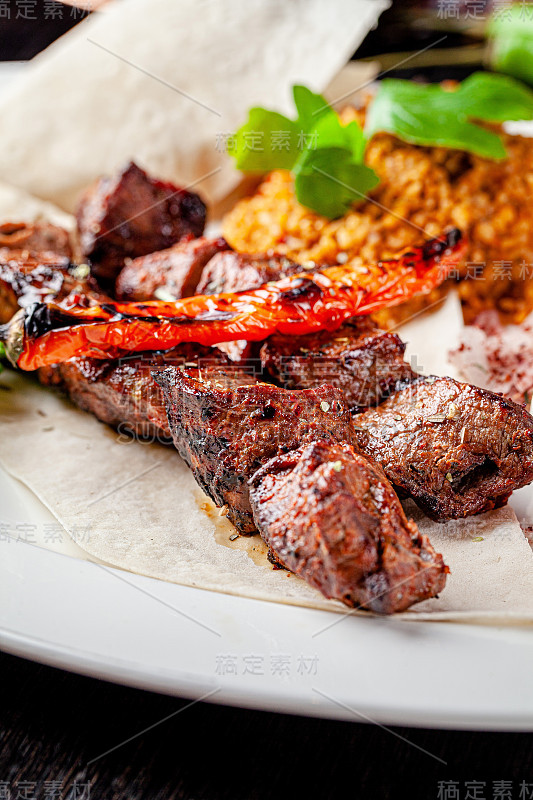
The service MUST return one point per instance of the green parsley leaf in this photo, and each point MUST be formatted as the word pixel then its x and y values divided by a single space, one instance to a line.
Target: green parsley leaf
pixel 267 141
pixel 2 354
pixel 511 42
pixel 430 115
pixel 325 156
pixel 329 181
pixel 310 107
pixel 330 133
pixel 270 141
pixel 493 98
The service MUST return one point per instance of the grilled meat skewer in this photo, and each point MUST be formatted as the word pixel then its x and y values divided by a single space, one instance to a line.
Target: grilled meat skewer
pixel 331 516
pixel 363 361
pixel 132 214
pixel 225 425
pixel 456 449
pixel 205 434
pixel 175 271
pixel 122 392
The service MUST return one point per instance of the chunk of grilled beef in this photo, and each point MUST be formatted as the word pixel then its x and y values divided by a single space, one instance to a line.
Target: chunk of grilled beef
pixel 27 279
pixel 455 449
pixel 40 237
pixel 132 214
pixel 225 425
pixel 331 516
pixel 176 271
pixel 122 392
pixel 366 363
pixel 229 271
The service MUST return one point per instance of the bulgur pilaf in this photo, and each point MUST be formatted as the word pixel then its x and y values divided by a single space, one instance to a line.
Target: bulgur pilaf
pixel 422 191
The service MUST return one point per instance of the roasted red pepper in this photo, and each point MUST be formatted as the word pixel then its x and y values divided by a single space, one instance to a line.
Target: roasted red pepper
pixel 49 333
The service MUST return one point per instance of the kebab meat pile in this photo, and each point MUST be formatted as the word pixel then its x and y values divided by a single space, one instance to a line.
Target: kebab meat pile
pixel 307 429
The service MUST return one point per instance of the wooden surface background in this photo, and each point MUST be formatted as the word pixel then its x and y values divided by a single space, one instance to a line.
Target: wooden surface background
pixel 54 723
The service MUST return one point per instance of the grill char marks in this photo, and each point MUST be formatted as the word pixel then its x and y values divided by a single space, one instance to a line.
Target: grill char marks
pixel 456 449
pixel 122 392
pixel 364 362
pixel 226 425
pixel 131 215
pixel 237 272
pixel 177 270
pixel 331 516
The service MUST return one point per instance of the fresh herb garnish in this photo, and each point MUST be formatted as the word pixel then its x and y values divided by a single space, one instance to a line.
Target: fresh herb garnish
pixel 2 355
pixel 511 42
pixel 430 115
pixel 327 158
pixel 330 182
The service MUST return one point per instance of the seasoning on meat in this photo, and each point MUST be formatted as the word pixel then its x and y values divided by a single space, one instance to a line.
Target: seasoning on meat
pixel 364 362
pixel 167 274
pixel 225 425
pixel 122 392
pixel 233 272
pixel 455 449
pixel 130 215
pixel 331 516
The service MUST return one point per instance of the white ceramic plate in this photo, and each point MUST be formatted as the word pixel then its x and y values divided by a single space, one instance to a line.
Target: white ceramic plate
pixel 85 617
pixel 59 608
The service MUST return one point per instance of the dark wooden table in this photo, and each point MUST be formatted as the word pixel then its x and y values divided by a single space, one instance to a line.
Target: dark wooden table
pixel 55 726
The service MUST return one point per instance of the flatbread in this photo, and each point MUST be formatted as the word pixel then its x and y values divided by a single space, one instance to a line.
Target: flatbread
pixel 164 82
pixel 136 506
pixel 16 205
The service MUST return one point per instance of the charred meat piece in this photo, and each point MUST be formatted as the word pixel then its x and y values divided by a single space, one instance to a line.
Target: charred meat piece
pixel 132 214
pixel 175 271
pixel 26 279
pixel 36 238
pixel 225 425
pixel 235 272
pixel 122 392
pixel 331 516
pixel 363 361
pixel 455 449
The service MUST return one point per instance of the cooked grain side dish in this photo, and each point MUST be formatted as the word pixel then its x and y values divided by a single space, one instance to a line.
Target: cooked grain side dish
pixel 421 190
